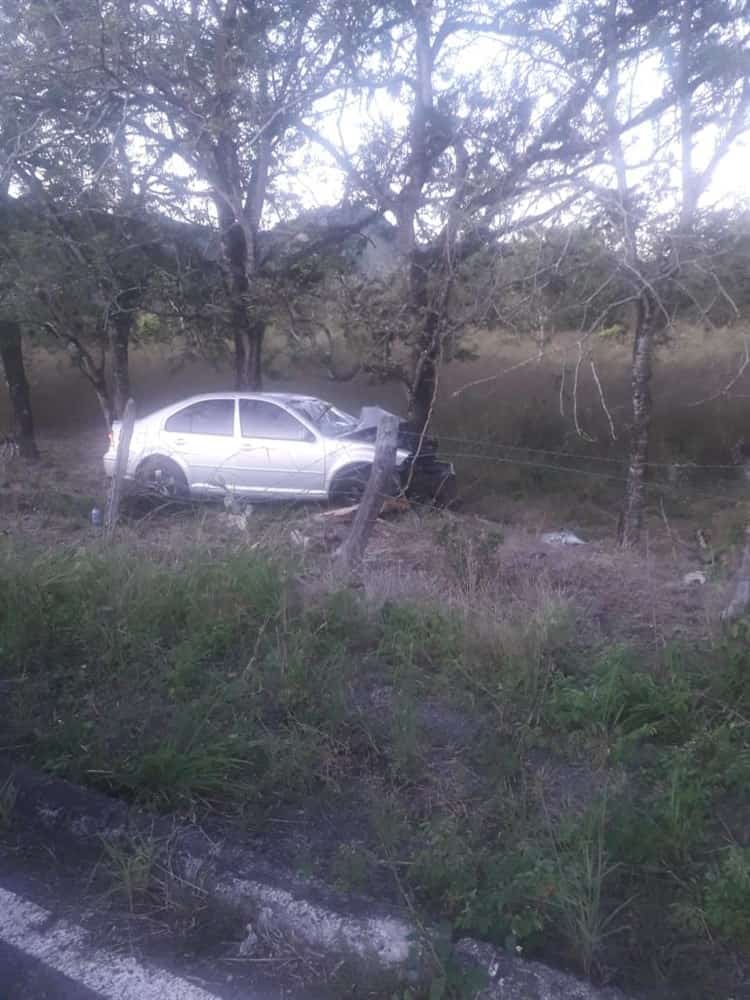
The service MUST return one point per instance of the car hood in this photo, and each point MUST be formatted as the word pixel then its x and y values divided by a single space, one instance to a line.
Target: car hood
pixel 408 437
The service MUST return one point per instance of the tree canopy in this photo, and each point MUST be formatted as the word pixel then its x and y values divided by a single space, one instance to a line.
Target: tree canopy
pixel 523 159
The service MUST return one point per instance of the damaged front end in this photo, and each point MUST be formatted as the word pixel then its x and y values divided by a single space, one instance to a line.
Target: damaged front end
pixel 423 476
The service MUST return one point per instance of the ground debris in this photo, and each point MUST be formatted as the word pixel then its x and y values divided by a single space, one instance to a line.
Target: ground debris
pixel 562 538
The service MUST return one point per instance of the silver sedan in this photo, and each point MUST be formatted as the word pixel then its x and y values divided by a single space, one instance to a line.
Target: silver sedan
pixel 273 445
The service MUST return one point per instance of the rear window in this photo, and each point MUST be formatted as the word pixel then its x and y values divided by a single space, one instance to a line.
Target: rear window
pixel 211 416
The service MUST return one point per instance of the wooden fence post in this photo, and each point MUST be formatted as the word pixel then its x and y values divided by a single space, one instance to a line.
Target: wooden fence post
pixel 121 466
pixel 740 603
pixel 352 551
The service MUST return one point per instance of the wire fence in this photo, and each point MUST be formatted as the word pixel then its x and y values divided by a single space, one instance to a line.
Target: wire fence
pixel 611 470
pixel 559 453
pixel 681 491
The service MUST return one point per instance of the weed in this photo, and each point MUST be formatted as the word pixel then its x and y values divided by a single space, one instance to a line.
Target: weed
pixel 496 890
pixel 469 556
pixel 404 743
pixel 717 903
pixel 618 698
pixel 130 867
pixel 510 665
pixel 422 637
pixel 172 776
pixel 583 873
pixel 726 893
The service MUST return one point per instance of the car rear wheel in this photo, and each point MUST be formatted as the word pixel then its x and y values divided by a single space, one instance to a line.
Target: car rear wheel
pixel 161 477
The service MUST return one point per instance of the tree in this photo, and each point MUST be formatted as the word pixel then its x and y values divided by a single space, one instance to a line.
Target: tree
pixel 11 355
pixel 11 348
pixel 58 142
pixel 222 88
pixel 627 215
pixel 707 64
pixel 481 154
pixel 707 98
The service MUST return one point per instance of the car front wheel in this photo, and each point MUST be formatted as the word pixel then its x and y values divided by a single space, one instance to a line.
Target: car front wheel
pixel 349 486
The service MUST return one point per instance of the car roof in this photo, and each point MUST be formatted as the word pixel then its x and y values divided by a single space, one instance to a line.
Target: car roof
pixel 279 397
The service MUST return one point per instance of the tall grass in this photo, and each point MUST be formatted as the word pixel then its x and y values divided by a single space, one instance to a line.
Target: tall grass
pixel 548 797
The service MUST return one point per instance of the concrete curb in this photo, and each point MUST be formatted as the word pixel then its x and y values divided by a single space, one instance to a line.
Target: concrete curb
pixel 380 945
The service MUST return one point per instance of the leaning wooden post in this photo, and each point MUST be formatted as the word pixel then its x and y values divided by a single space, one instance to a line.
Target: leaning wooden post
pixel 121 467
pixel 352 550
pixel 740 603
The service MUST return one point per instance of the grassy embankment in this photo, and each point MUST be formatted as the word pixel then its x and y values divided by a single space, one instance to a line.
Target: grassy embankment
pixel 583 803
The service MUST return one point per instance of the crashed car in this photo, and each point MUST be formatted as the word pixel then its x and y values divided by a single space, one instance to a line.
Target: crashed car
pixel 274 446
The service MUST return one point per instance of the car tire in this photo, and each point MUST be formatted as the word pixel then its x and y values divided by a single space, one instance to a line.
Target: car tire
pixel 348 487
pixel 161 477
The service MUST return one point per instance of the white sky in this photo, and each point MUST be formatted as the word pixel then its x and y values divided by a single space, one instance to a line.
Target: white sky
pixel 312 177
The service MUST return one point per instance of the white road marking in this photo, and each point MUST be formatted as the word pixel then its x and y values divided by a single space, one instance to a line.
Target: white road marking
pixel 63 947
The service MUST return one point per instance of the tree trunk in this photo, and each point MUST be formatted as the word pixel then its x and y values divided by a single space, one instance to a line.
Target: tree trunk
pixel 248 333
pixel 248 350
pixel 423 391
pixel 119 342
pixel 426 354
pixel 95 372
pixel 631 520
pixel 426 359
pixel 105 400
pixel 11 354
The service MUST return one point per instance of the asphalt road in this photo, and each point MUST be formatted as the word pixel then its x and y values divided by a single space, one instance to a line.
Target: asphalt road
pixel 62 939
pixel 25 978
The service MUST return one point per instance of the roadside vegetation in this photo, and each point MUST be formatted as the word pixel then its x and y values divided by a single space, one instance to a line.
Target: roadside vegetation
pixel 576 800
pixel 525 245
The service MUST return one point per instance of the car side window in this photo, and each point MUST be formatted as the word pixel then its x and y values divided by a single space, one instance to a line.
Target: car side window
pixel 211 416
pixel 259 419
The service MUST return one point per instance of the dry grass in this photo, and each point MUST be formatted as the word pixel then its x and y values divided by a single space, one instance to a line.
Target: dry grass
pixel 461 560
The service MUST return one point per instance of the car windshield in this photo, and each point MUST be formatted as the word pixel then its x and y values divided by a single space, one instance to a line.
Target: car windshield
pixel 329 421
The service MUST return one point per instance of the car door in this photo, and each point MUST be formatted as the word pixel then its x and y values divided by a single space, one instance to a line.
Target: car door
pixel 278 453
pixel 202 437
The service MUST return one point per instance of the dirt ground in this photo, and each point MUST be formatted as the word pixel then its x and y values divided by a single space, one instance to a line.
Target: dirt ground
pixel 456 557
